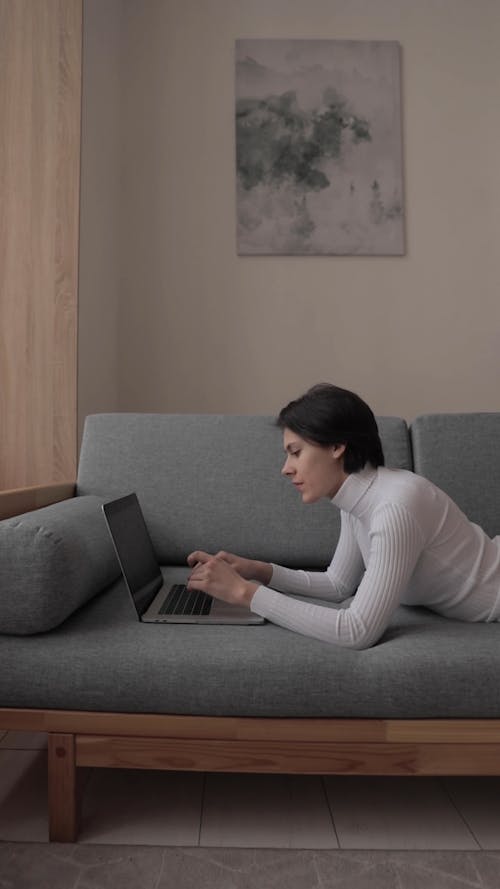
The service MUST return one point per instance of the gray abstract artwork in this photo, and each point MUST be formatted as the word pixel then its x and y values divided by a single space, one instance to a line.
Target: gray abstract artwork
pixel 318 147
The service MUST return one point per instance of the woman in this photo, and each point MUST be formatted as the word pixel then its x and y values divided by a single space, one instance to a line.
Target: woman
pixel 402 539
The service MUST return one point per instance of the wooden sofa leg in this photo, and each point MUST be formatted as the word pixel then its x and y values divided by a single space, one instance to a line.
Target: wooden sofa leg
pixel 63 797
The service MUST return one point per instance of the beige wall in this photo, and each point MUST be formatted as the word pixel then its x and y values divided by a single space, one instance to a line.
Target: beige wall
pixel 201 329
pixel 100 259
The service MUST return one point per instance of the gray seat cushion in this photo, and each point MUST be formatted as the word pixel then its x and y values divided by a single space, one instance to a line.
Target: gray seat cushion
pixel 460 453
pixel 53 560
pixel 103 659
pixel 214 482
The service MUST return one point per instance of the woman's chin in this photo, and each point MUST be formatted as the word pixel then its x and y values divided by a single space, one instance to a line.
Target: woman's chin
pixel 308 497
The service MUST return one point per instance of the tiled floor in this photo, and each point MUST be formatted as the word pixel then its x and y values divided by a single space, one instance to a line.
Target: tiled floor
pixel 187 810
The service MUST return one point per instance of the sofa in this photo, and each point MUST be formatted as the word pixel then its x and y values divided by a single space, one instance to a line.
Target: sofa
pixel 112 692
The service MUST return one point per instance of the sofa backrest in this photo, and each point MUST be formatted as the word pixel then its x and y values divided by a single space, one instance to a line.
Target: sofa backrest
pixel 460 453
pixel 214 482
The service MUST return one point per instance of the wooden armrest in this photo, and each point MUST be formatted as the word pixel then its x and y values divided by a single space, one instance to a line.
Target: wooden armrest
pixel 21 500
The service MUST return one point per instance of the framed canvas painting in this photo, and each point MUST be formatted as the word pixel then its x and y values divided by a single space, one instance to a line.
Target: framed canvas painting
pixel 319 147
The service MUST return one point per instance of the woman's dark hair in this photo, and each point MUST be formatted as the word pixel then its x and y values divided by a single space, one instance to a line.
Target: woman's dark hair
pixel 327 415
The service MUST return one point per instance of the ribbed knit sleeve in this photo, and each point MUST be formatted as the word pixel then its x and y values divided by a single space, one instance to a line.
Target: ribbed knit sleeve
pixel 395 546
pixel 338 582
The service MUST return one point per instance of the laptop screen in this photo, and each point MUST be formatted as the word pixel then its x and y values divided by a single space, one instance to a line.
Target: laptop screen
pixel 134 550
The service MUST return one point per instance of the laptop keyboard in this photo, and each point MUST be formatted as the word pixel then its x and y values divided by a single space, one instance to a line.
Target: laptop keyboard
pixel 180 600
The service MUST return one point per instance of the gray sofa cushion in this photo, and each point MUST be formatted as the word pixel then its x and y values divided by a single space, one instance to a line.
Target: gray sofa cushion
pixel 103 658
pixel 214 482
pixel 53 560
pixel 460 453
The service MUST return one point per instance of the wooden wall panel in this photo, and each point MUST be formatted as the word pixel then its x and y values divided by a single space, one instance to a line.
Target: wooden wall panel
pixel 40 109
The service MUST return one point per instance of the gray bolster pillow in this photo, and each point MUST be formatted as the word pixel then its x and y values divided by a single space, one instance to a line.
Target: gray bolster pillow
pixel 52 561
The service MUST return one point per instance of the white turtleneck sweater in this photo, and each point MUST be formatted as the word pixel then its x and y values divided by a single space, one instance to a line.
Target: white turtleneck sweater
pixel 402 541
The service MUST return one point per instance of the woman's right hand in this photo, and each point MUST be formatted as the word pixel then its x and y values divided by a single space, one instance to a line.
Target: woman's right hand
pixel 250 569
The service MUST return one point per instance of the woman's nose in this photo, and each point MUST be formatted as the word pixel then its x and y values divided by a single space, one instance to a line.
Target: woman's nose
pixel 287 470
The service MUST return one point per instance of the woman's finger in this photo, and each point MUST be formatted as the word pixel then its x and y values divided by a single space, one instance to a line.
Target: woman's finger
pixel 198 557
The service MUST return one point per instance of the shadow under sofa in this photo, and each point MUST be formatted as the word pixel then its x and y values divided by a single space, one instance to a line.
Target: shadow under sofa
pixel 112 692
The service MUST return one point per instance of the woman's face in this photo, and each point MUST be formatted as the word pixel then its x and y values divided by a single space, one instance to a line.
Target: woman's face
pixel 316 471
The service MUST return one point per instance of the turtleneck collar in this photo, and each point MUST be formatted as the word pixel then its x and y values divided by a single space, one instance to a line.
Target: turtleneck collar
pixel 354 488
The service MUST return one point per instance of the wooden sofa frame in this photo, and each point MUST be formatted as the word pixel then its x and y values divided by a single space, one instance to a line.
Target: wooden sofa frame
pixel 78 739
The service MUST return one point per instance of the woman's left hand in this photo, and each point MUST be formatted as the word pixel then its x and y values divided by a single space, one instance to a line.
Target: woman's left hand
pixel 217 578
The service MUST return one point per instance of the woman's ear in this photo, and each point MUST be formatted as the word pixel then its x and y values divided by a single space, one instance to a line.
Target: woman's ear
pixel 338 451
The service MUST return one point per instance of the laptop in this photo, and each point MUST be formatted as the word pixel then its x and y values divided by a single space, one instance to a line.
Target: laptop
pixel 155 602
